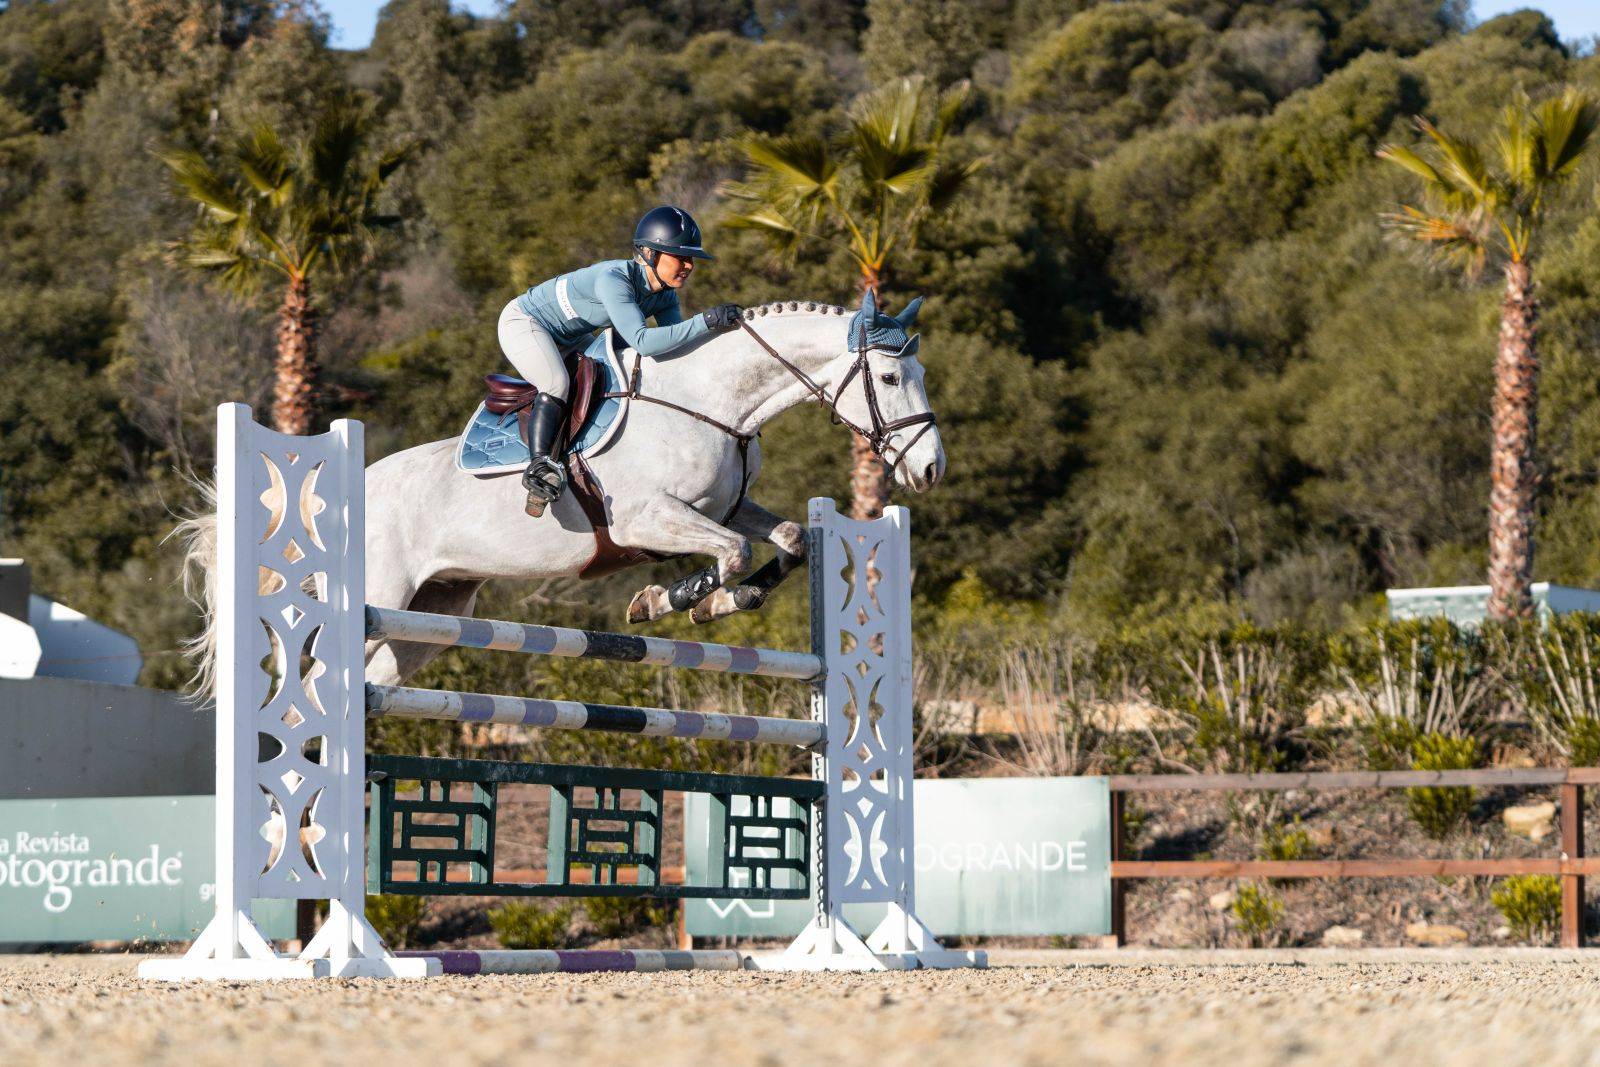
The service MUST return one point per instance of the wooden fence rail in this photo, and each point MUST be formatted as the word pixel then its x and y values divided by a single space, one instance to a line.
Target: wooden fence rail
pixel 1571 866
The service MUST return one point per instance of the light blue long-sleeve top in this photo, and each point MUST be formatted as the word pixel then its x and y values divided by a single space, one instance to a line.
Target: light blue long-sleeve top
pixel 611 293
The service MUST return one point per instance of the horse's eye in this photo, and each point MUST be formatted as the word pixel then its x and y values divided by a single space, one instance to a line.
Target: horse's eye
pixel 889 379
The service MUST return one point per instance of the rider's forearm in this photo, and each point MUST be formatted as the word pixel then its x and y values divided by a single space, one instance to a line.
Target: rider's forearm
pixel 628 320
pixel 660 340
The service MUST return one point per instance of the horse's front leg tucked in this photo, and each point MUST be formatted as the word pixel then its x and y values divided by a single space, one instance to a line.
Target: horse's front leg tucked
pixel 670 526
pixel 753 520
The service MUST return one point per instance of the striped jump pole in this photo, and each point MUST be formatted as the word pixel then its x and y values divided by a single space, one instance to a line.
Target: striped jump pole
pixel 399 702
pixel 292 702
pixel 578 961
pixel 423 627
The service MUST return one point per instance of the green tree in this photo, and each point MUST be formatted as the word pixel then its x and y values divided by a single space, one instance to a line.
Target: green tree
pixel 297 211
pixel 936 39
pixel 868 192
pixel 544 179
pixel 1480 205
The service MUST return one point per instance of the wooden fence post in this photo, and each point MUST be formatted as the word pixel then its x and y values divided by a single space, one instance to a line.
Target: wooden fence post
pixel 1119 914
pixel 1571 849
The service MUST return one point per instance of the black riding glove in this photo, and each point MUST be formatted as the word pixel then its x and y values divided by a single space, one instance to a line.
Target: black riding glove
pixel 722 317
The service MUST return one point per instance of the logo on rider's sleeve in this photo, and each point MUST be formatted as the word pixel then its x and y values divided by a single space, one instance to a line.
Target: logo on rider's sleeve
pixel 564 300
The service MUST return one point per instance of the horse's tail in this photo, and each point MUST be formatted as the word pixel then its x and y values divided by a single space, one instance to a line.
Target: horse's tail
pixel 198 533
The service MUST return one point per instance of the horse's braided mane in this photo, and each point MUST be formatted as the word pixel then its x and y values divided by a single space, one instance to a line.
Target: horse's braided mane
pixel 781 307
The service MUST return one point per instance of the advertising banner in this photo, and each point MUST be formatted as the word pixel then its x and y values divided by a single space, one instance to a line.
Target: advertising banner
pixel 113 869
pixel 995 857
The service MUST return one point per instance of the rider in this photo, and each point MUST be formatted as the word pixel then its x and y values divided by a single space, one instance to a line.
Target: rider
pixel 539 327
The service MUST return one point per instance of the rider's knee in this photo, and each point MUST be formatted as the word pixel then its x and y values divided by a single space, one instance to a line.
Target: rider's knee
pixel 556 382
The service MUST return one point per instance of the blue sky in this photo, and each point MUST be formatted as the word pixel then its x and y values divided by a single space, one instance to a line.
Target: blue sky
pixel 1574 18
pixel 353 20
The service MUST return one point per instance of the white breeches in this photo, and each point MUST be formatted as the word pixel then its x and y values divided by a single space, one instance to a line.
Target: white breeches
pixel 532 351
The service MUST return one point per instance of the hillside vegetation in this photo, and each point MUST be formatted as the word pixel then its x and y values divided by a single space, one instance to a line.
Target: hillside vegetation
pixel 1183 376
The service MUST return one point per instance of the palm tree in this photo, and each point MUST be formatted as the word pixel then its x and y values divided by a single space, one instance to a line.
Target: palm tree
pixel 868 192
pixel 1480 206
pixel 293 212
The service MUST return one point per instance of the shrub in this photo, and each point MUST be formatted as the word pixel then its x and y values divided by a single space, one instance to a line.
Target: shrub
pixel 1237 700
pixel 1552 669
pixel 396 917
pixel 1531 904
pixel 614 917
pixel 1258 912
pixel 1438 810
pixel 1425 675
pixel 1285 843
pixel 1386 742
pixel 524 924
pixel 1583 741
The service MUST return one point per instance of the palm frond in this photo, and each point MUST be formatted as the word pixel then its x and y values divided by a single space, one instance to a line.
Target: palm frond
pixel 1520 149
pixel 1462 164
pixel 1405 157
pixel 195 178
pixel 889 115
pixel 951 101
pixel 335 142
pixel 1566 130
pixel 229 252
pixel 1453 238
pixel 763 217
pixel 867 193
pixel 266 163
pixel 898 171
pixel 949 179
pixel 394 159
pixel 275 206
pixel 796 166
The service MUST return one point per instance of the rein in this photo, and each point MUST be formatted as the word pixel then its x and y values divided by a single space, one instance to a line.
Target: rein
pixel 877 435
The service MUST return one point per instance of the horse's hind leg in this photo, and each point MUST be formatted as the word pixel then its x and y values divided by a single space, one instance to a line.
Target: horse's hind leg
pixel 392 662
pixel 753 520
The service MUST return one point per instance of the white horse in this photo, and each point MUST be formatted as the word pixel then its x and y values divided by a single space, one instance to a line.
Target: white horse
pixel 674 484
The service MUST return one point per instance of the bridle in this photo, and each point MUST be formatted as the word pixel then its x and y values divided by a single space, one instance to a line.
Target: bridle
pixel 876 435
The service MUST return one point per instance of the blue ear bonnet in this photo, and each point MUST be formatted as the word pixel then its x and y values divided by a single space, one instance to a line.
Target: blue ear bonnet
pixel 885 333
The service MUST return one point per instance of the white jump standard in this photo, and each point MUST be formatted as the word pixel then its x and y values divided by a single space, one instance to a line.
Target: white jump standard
pixel 292 703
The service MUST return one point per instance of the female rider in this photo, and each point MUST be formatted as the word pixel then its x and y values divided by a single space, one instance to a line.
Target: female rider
pixel 539 327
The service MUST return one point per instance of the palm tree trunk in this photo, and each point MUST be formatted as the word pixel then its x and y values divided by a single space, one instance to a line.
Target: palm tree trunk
pixel 869 481
pixel 295 372
pixel 1513 477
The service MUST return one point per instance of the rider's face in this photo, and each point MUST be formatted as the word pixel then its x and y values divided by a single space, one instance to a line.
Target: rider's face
pixel 673 270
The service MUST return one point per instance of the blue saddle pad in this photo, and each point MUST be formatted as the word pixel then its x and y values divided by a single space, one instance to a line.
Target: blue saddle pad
pixel 492 444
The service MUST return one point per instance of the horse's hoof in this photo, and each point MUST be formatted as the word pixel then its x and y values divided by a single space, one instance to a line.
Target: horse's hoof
pixel 648 605
pixel 719 605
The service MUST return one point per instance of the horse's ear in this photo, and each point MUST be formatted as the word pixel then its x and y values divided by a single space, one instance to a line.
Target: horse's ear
pixel 908 317
pixel 869 306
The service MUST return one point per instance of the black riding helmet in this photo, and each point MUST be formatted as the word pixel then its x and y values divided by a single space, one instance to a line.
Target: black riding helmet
pixel 670 230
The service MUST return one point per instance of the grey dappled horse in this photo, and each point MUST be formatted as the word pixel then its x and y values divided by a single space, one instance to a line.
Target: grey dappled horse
pixel 435 534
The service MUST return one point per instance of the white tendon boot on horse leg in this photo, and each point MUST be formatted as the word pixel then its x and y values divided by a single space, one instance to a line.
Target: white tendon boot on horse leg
pixel 668 525
pixel 789 538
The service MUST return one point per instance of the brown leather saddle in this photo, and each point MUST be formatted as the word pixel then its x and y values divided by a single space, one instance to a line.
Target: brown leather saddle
pixel 507 395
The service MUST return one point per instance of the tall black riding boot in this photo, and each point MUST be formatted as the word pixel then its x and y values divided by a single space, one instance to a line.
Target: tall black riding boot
pixel 546 476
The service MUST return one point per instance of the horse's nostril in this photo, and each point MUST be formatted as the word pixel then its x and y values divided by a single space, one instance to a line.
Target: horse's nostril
pixel 930 473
